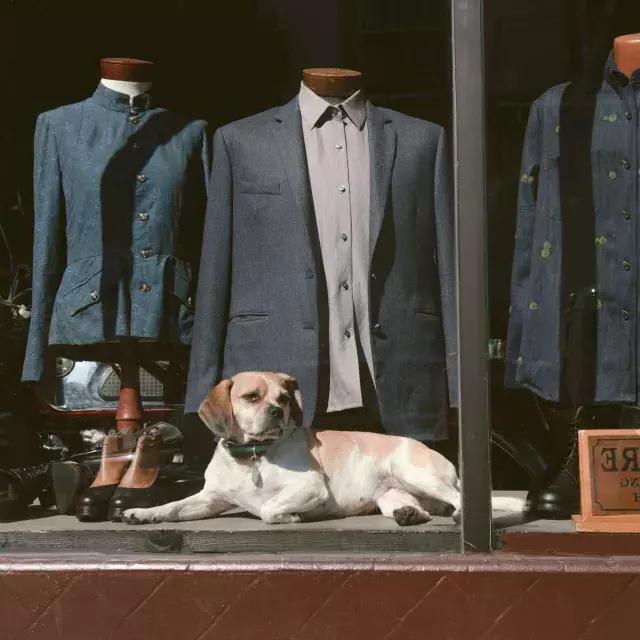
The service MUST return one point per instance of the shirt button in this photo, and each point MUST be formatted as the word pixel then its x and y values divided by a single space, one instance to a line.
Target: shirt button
pixel 625 214
pixel 145 288
pixel 94 295
pixel 347 334
pixel 133 119
pixel 626 265
pixel 626 315
pixel 143 216
pixel 141 178
pixel 342 188
pixel 344 236
pixel 345 286
pixel 338 146
pixel 145 253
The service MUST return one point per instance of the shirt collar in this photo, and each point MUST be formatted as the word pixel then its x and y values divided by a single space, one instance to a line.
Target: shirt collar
pixel 117 101
pixel 313 107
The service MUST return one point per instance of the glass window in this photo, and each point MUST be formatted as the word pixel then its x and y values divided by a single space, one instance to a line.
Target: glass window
pixel 563 99
pixel 213 199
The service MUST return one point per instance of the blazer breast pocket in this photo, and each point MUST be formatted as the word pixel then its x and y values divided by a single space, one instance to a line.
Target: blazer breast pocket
pixel 260 187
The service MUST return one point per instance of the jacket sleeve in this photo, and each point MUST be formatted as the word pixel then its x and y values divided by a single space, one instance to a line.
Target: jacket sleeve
pixel 446 263
pixel 48 246
pixel 199 172
pixel 527 203
pixel 212 299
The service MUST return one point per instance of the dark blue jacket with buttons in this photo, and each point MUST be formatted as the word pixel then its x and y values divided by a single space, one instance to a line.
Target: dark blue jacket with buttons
pixel 120 193
pixel 533 345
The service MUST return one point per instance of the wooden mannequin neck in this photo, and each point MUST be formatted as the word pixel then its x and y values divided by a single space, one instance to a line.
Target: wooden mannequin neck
pixel 626 50
pixel 332 83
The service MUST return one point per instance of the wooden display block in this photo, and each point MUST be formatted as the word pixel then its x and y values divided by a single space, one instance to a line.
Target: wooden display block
pixel 609 480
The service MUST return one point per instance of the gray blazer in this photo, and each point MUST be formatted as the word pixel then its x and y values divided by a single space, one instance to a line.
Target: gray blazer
pixel 120 195
pixel 261 293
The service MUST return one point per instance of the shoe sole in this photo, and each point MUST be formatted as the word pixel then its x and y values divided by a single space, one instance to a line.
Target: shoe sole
pixel 66 478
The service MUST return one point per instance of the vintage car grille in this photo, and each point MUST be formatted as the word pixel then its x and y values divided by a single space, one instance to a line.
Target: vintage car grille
pixel 151 388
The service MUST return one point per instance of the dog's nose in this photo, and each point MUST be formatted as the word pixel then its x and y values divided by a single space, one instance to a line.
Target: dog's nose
pixel 276 412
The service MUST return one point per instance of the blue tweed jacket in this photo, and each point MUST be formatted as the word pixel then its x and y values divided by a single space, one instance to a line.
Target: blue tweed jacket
pixel 261 287
pixel 120 194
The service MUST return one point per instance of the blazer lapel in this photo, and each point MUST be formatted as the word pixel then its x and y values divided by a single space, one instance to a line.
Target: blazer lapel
pixel 287 129
pixel 382 152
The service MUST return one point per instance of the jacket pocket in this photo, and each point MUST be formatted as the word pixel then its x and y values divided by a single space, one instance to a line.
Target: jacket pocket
pixel 247 316
pixel 429 315
pixel 260 187
pixel 82 295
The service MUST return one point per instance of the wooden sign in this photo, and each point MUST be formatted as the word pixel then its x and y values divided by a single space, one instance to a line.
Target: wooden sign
pixel 609 480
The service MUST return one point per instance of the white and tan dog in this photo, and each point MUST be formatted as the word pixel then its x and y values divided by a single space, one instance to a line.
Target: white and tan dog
pixel 273 469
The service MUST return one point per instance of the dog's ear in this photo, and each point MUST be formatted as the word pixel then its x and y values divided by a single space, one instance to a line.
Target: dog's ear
pixel 296 397
pixel 216 410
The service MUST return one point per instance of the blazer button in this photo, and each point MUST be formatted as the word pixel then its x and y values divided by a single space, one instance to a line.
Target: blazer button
pixel 143 216
pixel 626 315
pixel 145 288
pixel 626 164
pixel 145 253
pixel 141 178
pixel 94 295
pixel 133 119
pixel 628 115
pixel 136 146
pixel 626 265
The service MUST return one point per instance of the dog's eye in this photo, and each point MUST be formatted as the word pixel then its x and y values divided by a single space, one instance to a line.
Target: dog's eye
pixel 284 398
pixel 251 397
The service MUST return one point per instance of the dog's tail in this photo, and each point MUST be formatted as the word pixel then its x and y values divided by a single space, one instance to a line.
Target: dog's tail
pixel 507 503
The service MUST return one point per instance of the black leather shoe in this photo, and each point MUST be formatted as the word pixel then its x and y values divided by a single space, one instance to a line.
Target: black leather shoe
pixel 19 488
pixel 93 504
pixel 174 482
pixel 560 499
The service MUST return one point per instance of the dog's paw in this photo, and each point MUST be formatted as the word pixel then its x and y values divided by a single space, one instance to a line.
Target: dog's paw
pixel 282 518
pixel 138 516
pixel 405 516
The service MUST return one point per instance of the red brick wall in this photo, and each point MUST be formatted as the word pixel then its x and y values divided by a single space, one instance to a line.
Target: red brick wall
pixel 478 598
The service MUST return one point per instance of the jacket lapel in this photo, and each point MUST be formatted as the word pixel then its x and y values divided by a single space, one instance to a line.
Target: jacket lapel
pixel 382 152
pixel 289 139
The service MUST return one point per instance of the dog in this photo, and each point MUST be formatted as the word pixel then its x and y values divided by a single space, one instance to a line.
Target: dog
pixel 269 466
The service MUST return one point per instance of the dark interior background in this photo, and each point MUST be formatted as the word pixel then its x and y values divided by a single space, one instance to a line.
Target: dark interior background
pixel 222 61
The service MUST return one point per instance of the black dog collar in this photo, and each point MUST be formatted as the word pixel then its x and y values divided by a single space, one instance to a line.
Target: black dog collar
pixel 251 450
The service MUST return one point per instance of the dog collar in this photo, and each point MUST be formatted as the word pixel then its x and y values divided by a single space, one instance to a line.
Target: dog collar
pixel 250 450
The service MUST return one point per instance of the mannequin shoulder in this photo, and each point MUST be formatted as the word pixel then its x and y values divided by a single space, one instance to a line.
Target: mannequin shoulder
pixel 61 115
pixel 253 124
pixel 409 127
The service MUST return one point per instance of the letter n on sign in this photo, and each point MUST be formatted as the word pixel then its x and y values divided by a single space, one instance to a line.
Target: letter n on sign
pixel 609 480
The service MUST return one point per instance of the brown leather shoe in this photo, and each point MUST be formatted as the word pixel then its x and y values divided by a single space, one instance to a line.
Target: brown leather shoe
pixel 117 451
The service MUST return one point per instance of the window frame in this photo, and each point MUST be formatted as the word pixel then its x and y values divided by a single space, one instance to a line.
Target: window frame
pixel 469 160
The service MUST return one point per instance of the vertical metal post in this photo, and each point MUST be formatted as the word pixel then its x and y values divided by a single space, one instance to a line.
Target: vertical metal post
pixel 467 34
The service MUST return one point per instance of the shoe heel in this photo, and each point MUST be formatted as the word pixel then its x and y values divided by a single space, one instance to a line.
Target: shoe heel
pixel 90 513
